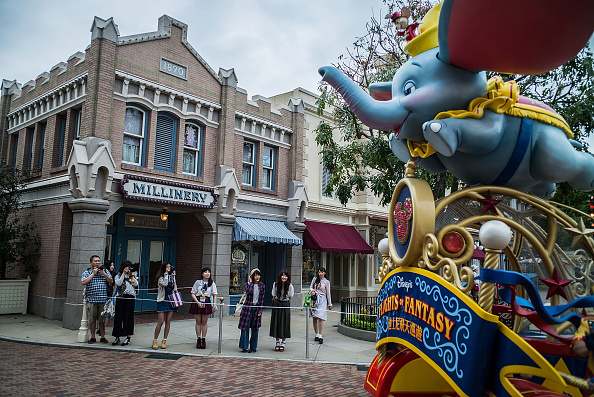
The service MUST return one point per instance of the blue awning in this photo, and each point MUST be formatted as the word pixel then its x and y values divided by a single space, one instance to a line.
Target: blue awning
pixel 250 229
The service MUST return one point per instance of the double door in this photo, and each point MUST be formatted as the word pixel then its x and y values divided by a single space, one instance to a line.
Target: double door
pixel 147 254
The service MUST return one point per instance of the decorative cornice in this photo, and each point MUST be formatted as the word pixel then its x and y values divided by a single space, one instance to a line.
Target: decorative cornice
pixel 268 123
pixel 33 110
pixel 166 90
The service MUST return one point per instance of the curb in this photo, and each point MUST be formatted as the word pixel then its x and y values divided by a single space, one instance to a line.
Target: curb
pixel 167 352
pixel 367 336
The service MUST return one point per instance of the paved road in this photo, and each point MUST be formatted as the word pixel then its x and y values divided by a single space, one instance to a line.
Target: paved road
pixel 38 370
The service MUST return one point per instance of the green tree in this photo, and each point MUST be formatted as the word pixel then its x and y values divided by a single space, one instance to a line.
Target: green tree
pixel 569 90
pixel 361 159
pixel 19 244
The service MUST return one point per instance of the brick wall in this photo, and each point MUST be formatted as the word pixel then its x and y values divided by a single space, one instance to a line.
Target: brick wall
pixel 189 251
pixel 54 226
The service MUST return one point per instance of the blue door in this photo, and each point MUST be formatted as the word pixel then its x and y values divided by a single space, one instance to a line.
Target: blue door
pixel 146 253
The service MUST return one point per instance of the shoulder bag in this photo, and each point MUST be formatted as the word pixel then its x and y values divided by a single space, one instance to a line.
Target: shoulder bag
pixel 239 306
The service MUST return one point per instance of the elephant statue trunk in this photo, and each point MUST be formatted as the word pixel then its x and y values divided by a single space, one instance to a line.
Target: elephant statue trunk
pixel 375 114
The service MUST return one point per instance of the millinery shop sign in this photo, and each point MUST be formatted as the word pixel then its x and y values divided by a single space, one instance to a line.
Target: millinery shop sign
pixel 152 190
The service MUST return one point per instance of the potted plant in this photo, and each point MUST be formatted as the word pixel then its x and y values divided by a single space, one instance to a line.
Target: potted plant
pixel 19 243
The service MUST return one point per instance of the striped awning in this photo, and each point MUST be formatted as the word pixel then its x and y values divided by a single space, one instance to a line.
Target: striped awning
pixel 251 229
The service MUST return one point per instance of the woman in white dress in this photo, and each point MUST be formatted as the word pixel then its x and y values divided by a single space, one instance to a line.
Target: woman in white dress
pixel 320 288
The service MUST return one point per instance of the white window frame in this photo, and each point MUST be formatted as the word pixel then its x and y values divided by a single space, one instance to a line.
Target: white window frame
pixel 141 137
pixel 268 183
pixel 251 165
pixel 196 150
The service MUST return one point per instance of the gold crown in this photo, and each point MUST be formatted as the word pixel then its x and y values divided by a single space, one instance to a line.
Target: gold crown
pixel 427 39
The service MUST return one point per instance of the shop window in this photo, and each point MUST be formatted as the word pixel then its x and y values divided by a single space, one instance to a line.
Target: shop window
pixel 192 158
pixel 135 125
pixel 108 243
pixel 239 268
pixel 326 176
pixel 268 165
pixel 248 177
pixel 311 261
pixel 165 142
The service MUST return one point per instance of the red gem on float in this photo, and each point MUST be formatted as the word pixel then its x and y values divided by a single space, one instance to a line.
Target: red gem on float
pixel 453 242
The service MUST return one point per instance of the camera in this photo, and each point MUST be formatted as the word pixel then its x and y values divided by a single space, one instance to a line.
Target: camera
pixel 102 267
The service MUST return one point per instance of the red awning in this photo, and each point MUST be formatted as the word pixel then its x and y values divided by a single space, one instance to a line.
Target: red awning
pixel 327 237
pixel 478 254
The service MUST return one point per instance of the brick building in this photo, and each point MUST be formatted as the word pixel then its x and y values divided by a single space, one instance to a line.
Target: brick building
pixel 139 150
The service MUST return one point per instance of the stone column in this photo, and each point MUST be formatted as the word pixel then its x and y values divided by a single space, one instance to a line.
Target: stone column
pixel 91 169
pixel 217 254
pixel 89 223
pixel 295 262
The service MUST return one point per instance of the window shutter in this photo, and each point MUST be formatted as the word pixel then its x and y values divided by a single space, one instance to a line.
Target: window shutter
pixel 164 143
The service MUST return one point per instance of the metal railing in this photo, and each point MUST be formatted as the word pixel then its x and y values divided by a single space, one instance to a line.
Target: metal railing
pixel 359 312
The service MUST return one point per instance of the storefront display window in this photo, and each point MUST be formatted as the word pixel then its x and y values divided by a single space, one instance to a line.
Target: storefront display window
pixel 239 268
pixel 311 261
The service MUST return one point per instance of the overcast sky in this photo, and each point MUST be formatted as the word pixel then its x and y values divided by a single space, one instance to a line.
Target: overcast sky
pixel 273 45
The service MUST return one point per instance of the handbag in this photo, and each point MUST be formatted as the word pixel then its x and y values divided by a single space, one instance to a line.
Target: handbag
pixel 239 306
pixel 109 308
pixel 175 299
pixel 309 300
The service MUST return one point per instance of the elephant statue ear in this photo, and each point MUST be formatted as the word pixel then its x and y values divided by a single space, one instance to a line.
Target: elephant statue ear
pixel 511 36
pixel 381 91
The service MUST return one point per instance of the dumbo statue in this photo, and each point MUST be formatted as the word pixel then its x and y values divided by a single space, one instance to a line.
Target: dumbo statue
pixel 446 116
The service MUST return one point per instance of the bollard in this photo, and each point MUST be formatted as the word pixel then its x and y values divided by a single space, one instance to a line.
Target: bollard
pixel 221 325
pixel 83 331
pixel 307 332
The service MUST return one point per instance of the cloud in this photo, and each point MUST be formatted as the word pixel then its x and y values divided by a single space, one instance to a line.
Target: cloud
pixel 274 46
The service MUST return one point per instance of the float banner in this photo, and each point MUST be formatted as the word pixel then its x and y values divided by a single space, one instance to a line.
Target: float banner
pixel 425 313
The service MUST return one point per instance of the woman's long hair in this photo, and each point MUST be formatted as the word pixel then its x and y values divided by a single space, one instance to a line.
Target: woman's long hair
pixel 161 271
pixel 204 269
pixel 317 279
pixel 124 265
pixel 282 287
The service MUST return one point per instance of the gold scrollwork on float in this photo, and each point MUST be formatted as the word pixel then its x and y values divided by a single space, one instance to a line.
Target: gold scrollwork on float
pixel 583 284
pixel 436 256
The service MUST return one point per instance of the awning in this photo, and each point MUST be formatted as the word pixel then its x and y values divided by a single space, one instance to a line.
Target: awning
pixel 327 237
pixel 250 229
pixel 478 254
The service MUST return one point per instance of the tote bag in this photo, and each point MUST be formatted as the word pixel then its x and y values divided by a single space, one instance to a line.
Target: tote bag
pixel 239 306
pixel 175 299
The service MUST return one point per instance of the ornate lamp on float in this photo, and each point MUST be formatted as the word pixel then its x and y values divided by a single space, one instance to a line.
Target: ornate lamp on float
pixel 384 248
pixel 495 236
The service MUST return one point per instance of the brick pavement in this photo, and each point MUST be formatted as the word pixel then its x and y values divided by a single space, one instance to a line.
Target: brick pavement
pixel 37 370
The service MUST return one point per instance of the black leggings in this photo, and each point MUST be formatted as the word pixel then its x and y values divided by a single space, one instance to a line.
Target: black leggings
pixel 124 316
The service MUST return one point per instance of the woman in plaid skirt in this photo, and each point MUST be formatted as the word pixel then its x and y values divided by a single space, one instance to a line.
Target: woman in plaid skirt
pixel 251 314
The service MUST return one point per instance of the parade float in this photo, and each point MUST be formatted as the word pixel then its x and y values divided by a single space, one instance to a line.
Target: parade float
pixel 436 335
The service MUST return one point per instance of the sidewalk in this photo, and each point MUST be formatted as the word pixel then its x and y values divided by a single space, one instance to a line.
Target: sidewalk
pixel 337 348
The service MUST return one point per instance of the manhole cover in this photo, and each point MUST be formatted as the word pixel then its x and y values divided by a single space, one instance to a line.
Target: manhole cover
pixel 164 356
